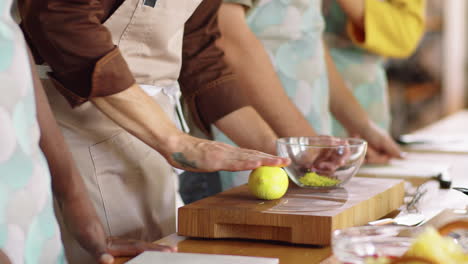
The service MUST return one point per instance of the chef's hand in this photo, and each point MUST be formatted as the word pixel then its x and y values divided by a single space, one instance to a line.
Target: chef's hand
pixel 331 159
pixel 127 248
pixel 325 161
pixel 84 225
pixel 381 146
pixel 376 158
pixel 195 154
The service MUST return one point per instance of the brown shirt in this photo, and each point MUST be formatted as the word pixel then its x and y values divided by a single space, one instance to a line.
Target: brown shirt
pixel 71 38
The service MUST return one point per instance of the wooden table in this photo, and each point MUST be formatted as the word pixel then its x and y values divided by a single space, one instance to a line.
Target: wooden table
pixel 433 203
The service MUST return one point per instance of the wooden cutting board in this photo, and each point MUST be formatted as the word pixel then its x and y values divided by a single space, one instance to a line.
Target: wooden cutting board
pixel 302 216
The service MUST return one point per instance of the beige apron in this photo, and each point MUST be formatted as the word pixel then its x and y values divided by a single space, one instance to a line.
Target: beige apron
pixel 131 185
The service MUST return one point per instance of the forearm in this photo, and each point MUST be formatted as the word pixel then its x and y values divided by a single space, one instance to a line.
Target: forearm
pixel 138 114
pixel 141 116
pixel 354 10
pixel 343 105
pixel 247 129
pixel 249 60
pixel 346 109
pixel 67 185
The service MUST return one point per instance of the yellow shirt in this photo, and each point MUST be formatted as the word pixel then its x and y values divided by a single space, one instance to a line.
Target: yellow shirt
pixel 393 28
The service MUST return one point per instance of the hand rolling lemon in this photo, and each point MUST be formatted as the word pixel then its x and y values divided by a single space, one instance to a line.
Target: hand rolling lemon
pixel 268 183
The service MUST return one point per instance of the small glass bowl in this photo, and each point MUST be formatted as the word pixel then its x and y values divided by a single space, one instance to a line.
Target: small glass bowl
pixel 322 162
pixel 354 245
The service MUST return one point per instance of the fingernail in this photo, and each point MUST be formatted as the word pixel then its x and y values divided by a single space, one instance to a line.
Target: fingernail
pixel 404 154
pixel 107 258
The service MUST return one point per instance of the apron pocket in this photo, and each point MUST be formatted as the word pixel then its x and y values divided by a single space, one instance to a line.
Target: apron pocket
pixel 120 181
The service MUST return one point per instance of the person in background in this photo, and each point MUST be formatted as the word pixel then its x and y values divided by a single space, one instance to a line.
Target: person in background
pixel 118 65
pixel 361 34
pixel 277 51
pixel 34 162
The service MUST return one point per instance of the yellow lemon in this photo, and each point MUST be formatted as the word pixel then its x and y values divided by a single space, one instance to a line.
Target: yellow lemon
pixel 268 183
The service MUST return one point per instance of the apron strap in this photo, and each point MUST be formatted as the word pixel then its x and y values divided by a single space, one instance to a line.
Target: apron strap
pixel 173 92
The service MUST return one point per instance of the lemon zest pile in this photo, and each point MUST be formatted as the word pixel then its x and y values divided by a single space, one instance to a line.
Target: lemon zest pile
pixel 313 179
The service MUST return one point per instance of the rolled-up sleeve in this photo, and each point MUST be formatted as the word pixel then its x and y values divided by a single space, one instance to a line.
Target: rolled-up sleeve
pixel 209 87
pixel 70 37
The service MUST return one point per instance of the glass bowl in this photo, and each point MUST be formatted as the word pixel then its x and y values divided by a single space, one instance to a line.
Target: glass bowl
pixel 322 162
pixel 354 245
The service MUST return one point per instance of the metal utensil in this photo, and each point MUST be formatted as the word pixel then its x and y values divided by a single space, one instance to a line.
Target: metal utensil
pixel 461 189
pixel 412 205
pixel 406 220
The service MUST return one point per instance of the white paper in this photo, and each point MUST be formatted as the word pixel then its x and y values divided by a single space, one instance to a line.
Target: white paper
pixel 152 257
pixel 448 143
pixel 434 139
pixel 405 168
pixel 442 148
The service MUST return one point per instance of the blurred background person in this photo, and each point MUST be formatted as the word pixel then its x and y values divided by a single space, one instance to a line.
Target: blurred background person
pixel 277 52
pixel 361 35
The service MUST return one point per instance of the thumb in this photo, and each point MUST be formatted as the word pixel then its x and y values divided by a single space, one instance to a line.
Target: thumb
pixel 106 259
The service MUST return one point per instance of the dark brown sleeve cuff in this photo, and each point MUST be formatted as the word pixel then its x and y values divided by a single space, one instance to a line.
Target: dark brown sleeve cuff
pixel 111 75
pixel 216 100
